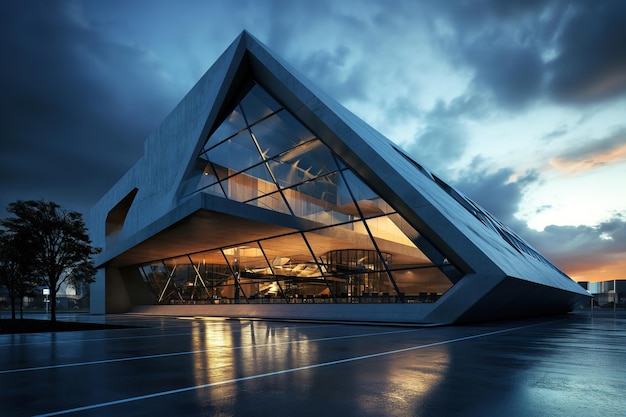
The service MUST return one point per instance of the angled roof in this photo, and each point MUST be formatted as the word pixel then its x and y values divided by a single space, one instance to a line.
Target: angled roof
pixel 503 274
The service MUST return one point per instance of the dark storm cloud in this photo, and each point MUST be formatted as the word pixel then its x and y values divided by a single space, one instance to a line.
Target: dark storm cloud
pixel 402 108
pixel 591 64
pixel 513 74
pixel 501 42
pixel 278 18
pixel 329 68
pixel 521 51
pixel 582 248
pixel 497 192
pixel 443 140
pixel 75 107
pixel 328 57
pixel 474 106
pixel 438 145
pixel 321 62
pixel 481 12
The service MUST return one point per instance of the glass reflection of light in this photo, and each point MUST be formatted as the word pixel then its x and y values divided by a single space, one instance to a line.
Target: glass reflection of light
pixel 216 363
pixel 291 355
pixel 267 347
pixel 230 351
pixel 405 385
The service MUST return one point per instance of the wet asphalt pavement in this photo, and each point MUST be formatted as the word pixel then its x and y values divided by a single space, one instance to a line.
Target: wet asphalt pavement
pixel 572 365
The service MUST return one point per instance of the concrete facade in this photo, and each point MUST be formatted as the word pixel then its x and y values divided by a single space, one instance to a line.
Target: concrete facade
pixel 469 265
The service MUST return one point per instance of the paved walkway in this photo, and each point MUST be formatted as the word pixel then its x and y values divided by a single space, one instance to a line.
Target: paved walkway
pixel 573 365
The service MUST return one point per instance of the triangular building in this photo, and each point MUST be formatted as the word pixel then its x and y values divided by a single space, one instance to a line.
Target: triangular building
pixel 260 196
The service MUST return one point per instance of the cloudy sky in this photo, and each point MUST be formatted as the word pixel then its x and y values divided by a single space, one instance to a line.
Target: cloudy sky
pixel 520 104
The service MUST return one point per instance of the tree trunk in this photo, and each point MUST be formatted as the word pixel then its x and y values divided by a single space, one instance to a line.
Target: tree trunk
pixel 12 308
pixel 53 307
pixel 21 308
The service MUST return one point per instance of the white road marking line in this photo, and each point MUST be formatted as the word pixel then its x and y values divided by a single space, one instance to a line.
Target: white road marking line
pixel 284 371
pixel 165 355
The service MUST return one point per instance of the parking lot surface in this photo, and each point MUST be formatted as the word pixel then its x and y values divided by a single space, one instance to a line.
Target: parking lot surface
pixel 573 365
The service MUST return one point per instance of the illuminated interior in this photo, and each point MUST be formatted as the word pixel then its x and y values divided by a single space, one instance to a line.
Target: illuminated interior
pixel 349 246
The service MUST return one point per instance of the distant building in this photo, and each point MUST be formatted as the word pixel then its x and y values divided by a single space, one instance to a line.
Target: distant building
pixel 260 196
pixel 607 293
pixel 69 296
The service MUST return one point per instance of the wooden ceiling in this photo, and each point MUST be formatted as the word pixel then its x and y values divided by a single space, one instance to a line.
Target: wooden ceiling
pixel 205 230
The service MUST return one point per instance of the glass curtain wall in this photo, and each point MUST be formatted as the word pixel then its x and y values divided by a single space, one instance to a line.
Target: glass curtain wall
pixel 358 249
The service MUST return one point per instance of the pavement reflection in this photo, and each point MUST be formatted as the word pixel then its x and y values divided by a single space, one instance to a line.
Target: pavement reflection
pixel 563 366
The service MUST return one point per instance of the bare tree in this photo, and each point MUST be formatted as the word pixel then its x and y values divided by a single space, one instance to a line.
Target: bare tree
pixel 55 242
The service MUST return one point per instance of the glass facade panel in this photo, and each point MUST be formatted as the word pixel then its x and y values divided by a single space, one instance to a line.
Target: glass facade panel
pixel 367 200
pixel 265 182
pixel 303 163
pixel 421 285
pixel 404 227
pixel 249 185
pixel 202 181
pixel 219 171
pixel 354 268
pixel 155 275
pixel 208 177
pixel 416 277
pixel 316 200
pixel 361 275
pixel 279 133
pixel 343 236
pixel 231 289
pixel 258 104
pixel 206 181
pixel 337 264
pixel 214 189
pixel 294 267
pixel 262 156
pixel 179 286
pixel 233 124
pixel 384 228
pixel 274 202
pixel 241 188
pixel 215 273
pixel 237 153
pixel 255 278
